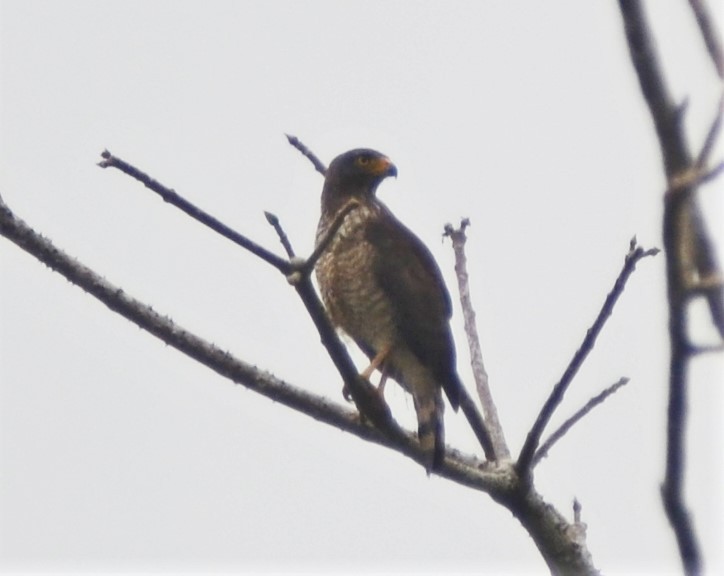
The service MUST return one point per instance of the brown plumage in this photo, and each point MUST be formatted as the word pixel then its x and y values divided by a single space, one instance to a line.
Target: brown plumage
pixel 381 285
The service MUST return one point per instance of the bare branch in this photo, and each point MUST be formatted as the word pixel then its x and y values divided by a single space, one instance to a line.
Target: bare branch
pixel 634 255
pixel 492 427
pixel 548 528
pixel 316 162
pixel 709 34
pixel 363 393
pixel 546 446
pixel 664 112
pixel 713 173
pixel 713 349
pixel 170 196
pixel 576 511
pixel 329 235
pixel 711 137
pixel 690 252
pixel 283 238
pixel 466 468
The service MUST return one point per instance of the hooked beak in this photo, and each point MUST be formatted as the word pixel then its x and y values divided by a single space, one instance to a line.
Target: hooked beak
pixel 384 167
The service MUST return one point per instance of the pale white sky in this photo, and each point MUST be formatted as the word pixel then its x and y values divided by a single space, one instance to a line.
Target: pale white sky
pixel 118 452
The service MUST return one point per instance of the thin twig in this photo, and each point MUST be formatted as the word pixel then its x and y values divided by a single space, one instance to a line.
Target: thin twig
pixel 713 173
pixel 709 34
pixel 316 162
pixel 634 255
pixel 492 427
pixel 545 447
pixel 323 243
pixel 170 196
pixel 707 349
pixel 711 137
pixel 576 511
pixel 273 219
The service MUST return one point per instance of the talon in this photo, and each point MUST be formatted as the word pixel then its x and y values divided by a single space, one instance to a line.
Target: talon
pixel 381 385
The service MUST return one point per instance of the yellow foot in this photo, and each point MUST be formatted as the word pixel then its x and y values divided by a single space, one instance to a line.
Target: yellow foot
pixel 376 362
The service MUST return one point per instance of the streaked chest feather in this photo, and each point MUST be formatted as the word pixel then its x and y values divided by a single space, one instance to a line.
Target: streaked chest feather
pixel 349 286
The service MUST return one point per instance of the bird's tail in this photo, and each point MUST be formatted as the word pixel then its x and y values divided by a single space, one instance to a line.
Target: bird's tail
pixel 430 428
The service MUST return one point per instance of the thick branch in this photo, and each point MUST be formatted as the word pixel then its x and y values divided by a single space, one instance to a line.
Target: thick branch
pixel 666 115
pixel 465 469
pixel 552 534
pixel 690 252
pixel 525 459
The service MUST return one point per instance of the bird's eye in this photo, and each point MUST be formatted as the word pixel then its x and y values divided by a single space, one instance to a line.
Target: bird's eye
pixel 363 160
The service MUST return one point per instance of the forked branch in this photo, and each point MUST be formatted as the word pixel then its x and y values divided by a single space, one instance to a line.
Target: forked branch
pixel 363 393
pixel 635 254
pixel 465 469
pixel 563 429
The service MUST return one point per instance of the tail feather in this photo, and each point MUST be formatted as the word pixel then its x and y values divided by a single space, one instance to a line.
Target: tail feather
pixel 430 430
pixel 452 385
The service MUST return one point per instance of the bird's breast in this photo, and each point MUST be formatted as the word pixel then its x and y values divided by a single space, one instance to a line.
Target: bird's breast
pixel 350 290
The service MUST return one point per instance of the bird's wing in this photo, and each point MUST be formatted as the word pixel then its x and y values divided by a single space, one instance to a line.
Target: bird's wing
pixel 409 276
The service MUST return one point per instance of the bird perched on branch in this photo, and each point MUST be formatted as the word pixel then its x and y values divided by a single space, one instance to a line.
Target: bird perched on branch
pixel 381 285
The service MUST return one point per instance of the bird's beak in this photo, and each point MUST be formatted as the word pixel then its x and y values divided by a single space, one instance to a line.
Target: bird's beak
pixel 384 167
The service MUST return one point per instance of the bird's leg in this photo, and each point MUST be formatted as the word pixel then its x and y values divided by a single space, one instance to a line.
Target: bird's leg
pixel 376 362
pixel 381 385
pixel 367 372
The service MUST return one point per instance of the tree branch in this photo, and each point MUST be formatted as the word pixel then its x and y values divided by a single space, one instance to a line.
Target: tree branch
pixel 690 252
pixel 283 238
pixel 316 162
pixel 465 469
pixel 491 426
pixel 366 399
pixel 563 550
pixel 712 135
pixel 709 34
pixel 634 255
pixel 170 196
pixel 546 446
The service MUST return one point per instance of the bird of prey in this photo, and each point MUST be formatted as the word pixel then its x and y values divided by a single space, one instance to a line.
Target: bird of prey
pixel 381 286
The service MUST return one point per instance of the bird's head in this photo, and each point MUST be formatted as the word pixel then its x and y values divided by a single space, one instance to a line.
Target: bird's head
pixel 355 174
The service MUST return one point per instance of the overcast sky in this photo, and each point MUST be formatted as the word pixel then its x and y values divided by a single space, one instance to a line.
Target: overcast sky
pixel 119 452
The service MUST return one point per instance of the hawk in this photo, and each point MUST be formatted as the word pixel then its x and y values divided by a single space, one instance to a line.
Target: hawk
pixel 382 287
